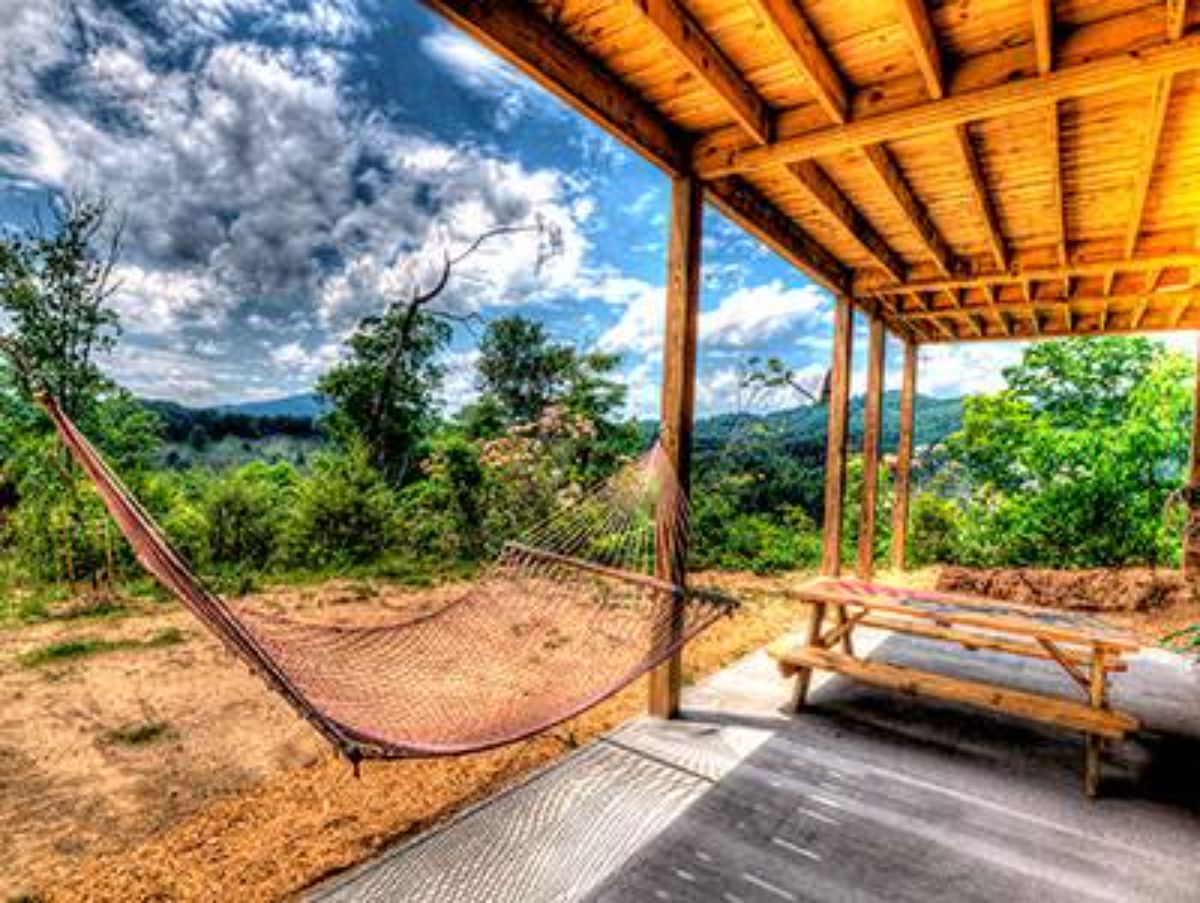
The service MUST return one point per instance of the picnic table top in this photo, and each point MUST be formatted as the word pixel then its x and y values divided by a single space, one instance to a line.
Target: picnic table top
pixel 972 611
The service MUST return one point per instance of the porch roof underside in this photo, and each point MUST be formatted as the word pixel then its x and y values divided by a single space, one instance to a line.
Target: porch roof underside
pixel 982 169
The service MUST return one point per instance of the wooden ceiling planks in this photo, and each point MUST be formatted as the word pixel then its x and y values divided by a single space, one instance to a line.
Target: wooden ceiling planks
pixel 996 155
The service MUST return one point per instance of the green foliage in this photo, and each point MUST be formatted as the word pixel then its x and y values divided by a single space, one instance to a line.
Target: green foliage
pixel 140 734
pixel 384 393
pixel 935 530
pixel 242 510
pixel 54 289
pixel 83 647
pixel 1047 478
pixel 341 513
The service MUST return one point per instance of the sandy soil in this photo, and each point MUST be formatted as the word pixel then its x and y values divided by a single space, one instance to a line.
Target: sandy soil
pixel 234 798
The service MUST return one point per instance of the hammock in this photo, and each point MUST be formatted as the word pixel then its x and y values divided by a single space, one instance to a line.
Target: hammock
pixel 558 623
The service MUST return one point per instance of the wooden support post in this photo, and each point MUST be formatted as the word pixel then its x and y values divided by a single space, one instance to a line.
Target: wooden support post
pixel 835 460
pixel 1191 535
pixel 904 452
pixel 1098 697
pixel 872 432
pixel 678 405
pixel 835 447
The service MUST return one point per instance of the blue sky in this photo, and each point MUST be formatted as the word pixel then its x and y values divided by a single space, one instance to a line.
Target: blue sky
pixel 285 167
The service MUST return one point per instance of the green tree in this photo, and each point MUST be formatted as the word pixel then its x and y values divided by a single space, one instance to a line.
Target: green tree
pixel 393 423
pixel 55 287
pixel 520 369
pixel 1048 478
pixel 385 392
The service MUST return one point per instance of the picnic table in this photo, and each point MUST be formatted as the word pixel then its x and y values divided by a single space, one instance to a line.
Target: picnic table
pixel 1086 648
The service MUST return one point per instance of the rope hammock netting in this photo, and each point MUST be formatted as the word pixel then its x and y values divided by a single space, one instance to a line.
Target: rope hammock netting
pixel 560 621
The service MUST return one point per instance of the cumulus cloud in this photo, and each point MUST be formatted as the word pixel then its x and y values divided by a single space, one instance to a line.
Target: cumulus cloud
pixel 743 320
pixel 262 196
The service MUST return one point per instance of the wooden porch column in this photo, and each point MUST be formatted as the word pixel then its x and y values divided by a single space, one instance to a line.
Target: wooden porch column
pixel 678 403
pixel 835 447
pixel 835 485
pixel 1191 534
pixel 872 430
pixel 908 395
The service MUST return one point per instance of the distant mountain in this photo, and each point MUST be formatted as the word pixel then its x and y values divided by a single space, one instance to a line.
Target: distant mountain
pixel 935 419
pixel 309 406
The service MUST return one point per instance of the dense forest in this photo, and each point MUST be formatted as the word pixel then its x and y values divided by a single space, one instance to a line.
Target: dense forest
pixel 1076 462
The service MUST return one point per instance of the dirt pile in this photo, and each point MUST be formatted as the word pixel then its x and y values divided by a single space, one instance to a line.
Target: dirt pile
pixel 1100 589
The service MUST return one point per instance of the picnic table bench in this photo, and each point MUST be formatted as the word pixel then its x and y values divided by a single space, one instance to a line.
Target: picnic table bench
pixel 1086 648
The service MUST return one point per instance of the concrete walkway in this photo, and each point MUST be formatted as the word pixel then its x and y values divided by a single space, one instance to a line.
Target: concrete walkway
pixel 867 796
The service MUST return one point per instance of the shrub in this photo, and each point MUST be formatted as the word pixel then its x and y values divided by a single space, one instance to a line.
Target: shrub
pixel 342 513
pixel 244 511
pixel 935 530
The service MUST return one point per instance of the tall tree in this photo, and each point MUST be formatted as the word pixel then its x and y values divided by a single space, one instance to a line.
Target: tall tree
pixel 385 391
pixel 55 287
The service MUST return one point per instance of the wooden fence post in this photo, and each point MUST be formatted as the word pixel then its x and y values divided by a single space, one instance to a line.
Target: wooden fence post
pixel 872 430
pixel 904 452
pixel 678 404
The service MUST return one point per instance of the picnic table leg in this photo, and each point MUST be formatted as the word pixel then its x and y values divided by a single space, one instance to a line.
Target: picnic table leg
pixel 846 641
pixel 1095 743
pixel 813 638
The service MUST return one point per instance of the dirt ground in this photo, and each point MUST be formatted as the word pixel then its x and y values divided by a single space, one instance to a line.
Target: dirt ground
pixel 166 771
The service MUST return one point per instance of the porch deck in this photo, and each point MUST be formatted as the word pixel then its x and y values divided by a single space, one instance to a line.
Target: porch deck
pixel 865 796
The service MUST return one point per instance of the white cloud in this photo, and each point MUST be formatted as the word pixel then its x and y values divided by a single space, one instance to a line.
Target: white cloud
pixel 743 320
pixel 753 316
pixel 262 198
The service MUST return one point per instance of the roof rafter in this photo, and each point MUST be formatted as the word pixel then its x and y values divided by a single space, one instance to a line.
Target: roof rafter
pixel 704 58
pixel 897 187
pixel 1176 18
pixel 719 153
pixel 1054 150
pixel 979 192
pixel 1145 171
pixel 792 30
pixel 825 194
pixel 915 19
pixel 1043 35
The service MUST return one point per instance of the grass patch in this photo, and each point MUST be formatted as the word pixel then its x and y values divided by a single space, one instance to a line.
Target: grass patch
pixel 139 734
pixel 69 650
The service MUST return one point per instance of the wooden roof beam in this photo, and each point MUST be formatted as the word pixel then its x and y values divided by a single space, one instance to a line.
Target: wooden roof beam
pixel 696 50
pixel 822 191
pixel 514 30
pixel 1048 304
pixel 897 187
pixel 921 37
pixel 1145 172
pixel 1176 19
pixel 785 20
pixel 746 206
pixel 720 153
pixel 1054 150
pixel 979 192
pixel 1057 273
pixel 1043 35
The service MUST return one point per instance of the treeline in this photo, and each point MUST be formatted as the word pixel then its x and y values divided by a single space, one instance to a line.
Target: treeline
pixel 198 427
pixel 1074 463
